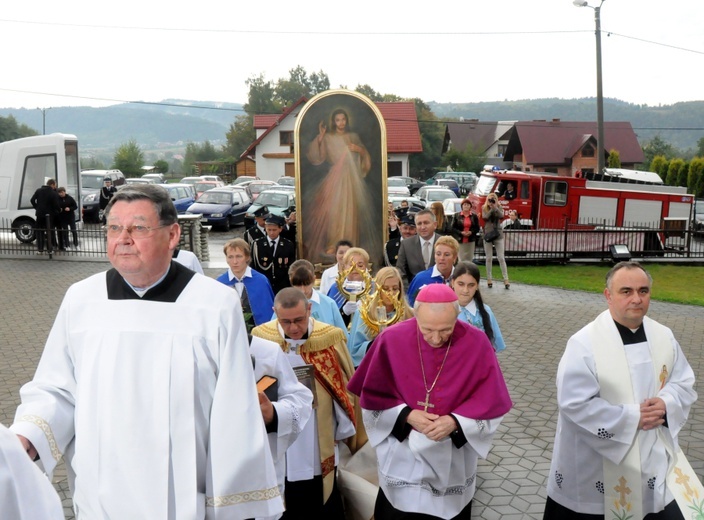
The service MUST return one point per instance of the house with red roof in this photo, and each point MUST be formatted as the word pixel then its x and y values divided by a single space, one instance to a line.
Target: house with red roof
pixel 561 147
pixel 273 148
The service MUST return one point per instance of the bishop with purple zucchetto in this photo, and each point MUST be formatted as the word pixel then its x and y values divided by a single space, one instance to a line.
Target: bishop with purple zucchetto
pixel 432 396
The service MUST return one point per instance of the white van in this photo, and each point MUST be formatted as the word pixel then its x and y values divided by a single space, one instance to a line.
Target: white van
pixel 25 165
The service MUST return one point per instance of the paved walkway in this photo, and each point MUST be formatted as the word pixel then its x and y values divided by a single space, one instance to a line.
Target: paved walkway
pixel 536 323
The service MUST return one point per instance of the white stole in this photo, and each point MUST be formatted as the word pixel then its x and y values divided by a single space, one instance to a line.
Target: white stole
pixel 622 482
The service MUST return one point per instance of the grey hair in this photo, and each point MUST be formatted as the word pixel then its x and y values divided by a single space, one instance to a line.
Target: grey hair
pixel 425 212
pixel 626 265
pixel 435 306
pixel 152 192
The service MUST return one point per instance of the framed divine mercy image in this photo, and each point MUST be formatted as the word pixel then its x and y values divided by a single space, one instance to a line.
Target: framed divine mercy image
pixel 340 149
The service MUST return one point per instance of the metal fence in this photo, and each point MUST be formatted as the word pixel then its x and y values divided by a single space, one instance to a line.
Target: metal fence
pixel 88 241
pixel 561 242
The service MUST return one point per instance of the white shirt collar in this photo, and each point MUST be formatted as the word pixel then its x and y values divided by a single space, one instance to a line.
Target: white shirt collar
pixel 471 307
pixel 436 271
pixel 247 274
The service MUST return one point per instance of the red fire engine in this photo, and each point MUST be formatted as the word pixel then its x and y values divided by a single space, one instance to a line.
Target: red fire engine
pixel 545 201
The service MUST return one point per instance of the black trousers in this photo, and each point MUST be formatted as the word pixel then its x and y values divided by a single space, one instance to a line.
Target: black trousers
pixel 555 511
pixel 304 501
pixel 383 510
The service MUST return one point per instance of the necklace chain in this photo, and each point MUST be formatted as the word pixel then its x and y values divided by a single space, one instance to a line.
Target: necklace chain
pixel 422 367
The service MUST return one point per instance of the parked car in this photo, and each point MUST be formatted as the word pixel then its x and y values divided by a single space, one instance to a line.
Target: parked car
pixel 286 181
pixel 182 195
pixel 139 180
pixel 259 186
pixel 412 183
pixel 244 178
pixel 203 186
pixel 279 202
pixel 430 194
pixel 91 183
pixel 242 188
pixel 698 225
pixel 190 180
pixel 414 203
pixel 450 184
pixel 466 180
pixel 452 206
pixel 212 178
pixel 221 207
pixel 397 186
pixel 158 177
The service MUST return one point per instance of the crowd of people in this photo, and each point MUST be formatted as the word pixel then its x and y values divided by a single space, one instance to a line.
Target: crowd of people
pixel 207 402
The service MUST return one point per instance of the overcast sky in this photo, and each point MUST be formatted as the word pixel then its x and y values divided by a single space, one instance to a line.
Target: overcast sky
pixel 453 51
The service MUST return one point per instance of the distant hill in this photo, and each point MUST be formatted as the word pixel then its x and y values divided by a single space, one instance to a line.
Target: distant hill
pixel 170 123
pixel 173 122
pixel 686 118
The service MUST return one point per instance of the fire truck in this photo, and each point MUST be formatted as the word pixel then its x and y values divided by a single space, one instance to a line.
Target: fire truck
pixel 548 201
pixel 583 217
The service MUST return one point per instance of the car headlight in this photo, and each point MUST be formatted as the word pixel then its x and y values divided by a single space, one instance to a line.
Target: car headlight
pixel 216 215
pixel 91 197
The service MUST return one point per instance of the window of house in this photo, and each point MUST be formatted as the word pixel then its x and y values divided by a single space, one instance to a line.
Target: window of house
pixel 501 150
pixel 555 193
pixel 550 170
pixel 285 138
pixel 588 151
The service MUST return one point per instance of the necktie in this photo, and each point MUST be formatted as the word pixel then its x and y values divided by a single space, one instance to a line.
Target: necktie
pixel 273 247
pixel 426 253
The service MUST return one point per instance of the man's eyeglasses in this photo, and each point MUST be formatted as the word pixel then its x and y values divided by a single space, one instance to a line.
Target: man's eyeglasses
pixel 135 230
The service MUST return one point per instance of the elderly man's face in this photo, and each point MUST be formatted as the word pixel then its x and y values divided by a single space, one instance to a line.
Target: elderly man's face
pixel 436 321
pixel 425 226
pixel 628 297
pixel 142 260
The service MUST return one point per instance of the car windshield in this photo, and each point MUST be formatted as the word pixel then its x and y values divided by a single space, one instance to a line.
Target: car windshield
pixel 215 197
pixel 391 181
pixel 273 199
pixel 137 181
pixel 256 188
pixel 204 186
pixel 440 194
pixel 240 180
pixel 92 181
pixel 485 185
pixel 191 181
pixel 287 181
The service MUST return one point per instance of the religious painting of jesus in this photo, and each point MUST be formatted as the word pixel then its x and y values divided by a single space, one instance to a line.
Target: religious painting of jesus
pixel 340 141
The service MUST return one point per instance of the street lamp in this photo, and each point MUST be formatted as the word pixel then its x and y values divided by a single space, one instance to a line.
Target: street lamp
pixel 44 119
pixel 599 91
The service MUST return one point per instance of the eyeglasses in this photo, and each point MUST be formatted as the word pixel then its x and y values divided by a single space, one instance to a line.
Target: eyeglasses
pixel 135 230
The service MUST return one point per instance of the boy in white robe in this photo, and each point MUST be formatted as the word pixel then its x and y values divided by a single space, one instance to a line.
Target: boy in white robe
pixel 591 429
pixel 146 384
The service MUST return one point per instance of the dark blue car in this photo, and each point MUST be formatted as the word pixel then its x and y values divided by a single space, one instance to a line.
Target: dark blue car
pixel 183 196
pixel 221 207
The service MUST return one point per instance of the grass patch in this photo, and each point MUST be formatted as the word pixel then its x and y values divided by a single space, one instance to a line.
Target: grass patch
pixel 671 283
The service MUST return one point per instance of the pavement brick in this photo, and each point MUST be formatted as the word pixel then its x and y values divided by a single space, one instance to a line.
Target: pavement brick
pixel 536 323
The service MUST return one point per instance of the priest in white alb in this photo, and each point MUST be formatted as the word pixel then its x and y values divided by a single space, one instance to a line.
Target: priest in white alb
pixel 432 396
pixel 624 392
pixel 145 386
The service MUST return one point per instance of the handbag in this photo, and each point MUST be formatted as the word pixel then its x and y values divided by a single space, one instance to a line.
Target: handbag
pixel 491 235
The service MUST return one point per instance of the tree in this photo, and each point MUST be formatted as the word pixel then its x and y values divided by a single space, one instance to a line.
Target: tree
pixel 695 179
pixel 659 165
pixel 683 174
pixel 700 147
pixel 299 84
pixel 239 137
pixel 260 99
pixel 11 129
pixel 200 153
pixel 471 159
pixel 673 171
pixel 614 160
pixel 161 166
pixel 658 146
pixel 129 158
pixel 92 163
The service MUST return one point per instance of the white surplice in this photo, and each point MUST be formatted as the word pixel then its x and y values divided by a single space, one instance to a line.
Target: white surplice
pixel 436 477
pixel 293 406
pixel 589 428
pixel 25 493
pixel 153 404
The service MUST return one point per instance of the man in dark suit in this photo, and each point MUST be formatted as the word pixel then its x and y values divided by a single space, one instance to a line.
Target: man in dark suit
pixel 257 231
pixel 45 201
pixel 407 228
pixel 416 253
pixel 273 254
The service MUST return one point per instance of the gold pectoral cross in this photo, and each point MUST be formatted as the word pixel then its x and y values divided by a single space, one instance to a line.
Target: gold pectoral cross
pixel 426 404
